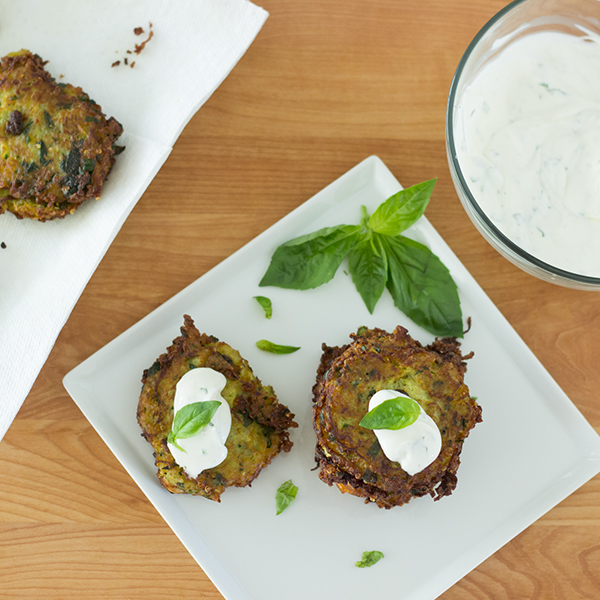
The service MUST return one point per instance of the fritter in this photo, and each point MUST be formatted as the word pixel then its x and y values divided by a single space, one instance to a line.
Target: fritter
pixel 349 456
pixel 260 424
pixel 56 146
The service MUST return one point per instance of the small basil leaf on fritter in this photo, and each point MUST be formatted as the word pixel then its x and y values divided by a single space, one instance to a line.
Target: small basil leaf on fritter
pixel 191 419
pixel 368 266
pixel 402 210
pixel 266 305
pixel 285 495
pixel 395 413
pixel 369 559
pixel 422 287
pixel 310 260
pixel 275 348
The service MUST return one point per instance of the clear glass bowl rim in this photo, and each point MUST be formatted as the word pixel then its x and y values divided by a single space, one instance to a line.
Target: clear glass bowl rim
pixel 555 272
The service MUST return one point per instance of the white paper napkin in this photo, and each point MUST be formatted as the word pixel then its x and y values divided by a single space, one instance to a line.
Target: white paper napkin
pixel 195 44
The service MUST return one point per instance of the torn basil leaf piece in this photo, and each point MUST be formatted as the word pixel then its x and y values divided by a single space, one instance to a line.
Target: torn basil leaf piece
pixel 268 346
pixel 369 558
pixel 285 495
pixel 266 305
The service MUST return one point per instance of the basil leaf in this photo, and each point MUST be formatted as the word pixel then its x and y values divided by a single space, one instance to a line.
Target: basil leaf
pixel 402 210
pixel 191 419
pixel 368 266
pixel 266 305
pixel 275 348
pixel 395 413
pixel 369 559
pixel 422 287
pixel 285 495
pixel 310 260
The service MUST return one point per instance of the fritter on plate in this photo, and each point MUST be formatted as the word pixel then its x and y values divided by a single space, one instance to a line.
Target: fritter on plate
pixel 349 455
pixel 260 424
pixel 56 145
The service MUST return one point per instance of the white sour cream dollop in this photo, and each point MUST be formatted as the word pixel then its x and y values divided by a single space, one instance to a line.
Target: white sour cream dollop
pixel 415 447
pixel 207 448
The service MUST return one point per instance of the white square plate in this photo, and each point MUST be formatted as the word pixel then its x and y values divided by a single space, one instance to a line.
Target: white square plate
pixel 532 450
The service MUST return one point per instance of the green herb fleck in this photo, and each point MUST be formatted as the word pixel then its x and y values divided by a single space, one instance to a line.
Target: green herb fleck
pixel 48 119
pixel 88 164
pixel 246 420
pixel 190 420
pixel 374 450
pixel 285 495
pixel 89 119
pixel 266 305
pixel 552 90
pixel 275 348
pixel 27 127
pixel 44 160
pixel 29 167
pixel 378 258
pixel 395 413
pixel 369 559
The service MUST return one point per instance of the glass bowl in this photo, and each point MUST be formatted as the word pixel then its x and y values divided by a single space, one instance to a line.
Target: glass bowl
pixel 518 19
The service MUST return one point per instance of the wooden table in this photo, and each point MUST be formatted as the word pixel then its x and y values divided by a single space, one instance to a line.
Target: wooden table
pixel 326 84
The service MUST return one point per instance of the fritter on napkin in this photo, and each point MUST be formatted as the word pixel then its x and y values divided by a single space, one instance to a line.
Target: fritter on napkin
pixel 349 455
pixel 260 424
pixel 56 145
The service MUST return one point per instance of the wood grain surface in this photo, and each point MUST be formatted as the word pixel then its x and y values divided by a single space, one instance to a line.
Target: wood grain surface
pixel 325 84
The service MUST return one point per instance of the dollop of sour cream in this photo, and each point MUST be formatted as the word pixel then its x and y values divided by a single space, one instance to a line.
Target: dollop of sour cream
pixel 415 447
pixel 526 130
pixel 207 448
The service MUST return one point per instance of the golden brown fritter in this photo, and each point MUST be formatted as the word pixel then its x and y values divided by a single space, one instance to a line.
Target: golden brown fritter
pixel 56 145
pixel 348 455
pixel 259 429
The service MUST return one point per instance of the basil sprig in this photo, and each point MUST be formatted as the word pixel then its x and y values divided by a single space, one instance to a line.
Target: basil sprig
pixel 285 495
pixel 395 413
pixel 378 258
pixel 369 558
pixel 190 420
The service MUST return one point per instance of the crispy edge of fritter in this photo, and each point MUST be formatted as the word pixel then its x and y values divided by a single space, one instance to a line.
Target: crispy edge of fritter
pixel 35 188
pixel 334 470
pixel 258 404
